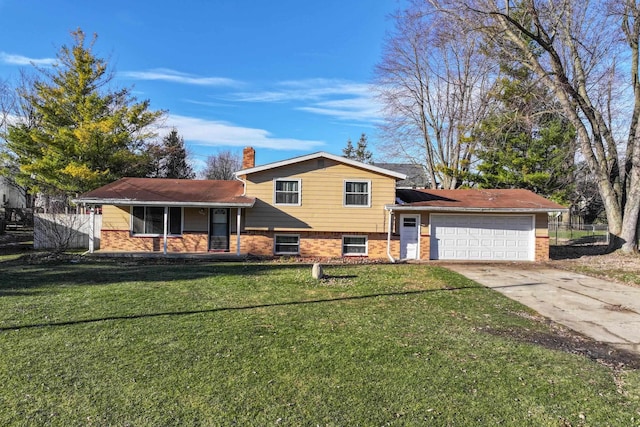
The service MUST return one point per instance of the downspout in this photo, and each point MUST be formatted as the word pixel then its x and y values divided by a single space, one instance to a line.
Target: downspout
pixel 239 214
pixel 391 258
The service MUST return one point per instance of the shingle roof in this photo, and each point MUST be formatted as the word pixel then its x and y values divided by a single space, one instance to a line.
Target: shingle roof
pixel 169 192
pixel 473 199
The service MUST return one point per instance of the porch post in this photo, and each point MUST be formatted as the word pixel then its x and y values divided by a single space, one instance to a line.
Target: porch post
pixel 238 216
pixel 391 258
pixel 92 227
pixel 166 221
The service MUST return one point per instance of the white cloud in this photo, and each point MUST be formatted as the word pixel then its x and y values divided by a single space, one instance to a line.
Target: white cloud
pixel 167 75
pixel 341 99
pixel 305 90
pixel 217 133
pixel 357 109
pixel 13 59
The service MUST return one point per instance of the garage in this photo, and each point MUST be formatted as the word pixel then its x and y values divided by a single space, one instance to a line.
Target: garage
pixel 482 237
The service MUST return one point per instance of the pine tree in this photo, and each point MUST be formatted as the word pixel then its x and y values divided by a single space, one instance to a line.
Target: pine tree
pixel 362 154
pixel 171 158
pixel 525 144
pixel 84 134
pixel 348 151
pixel 359 152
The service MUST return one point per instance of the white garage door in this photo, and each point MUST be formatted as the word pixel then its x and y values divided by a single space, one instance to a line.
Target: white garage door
pixel 483 237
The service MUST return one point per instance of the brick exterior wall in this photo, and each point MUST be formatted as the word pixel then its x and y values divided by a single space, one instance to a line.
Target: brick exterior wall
pixel 542 248
pixel 317 244
pixel 312 244
pixel 123 241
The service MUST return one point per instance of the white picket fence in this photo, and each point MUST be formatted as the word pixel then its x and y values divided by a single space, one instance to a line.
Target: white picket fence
pixel 65 231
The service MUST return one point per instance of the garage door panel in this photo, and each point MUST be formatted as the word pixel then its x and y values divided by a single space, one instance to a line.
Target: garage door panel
pixel 482 237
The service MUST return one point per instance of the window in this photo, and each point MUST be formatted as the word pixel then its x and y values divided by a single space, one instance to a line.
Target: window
pixel 287 192
pixel 411 222
pixel 354 245
pixel 356 193
pixel 150 220
pixel 287 244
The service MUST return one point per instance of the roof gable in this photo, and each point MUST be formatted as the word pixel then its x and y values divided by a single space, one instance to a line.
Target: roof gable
pixel 169 192
pixel 325 155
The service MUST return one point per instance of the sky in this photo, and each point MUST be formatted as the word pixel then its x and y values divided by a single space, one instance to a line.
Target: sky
pixel 287 77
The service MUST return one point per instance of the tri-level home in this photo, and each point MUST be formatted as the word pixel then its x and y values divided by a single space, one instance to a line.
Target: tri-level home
pixel 320 205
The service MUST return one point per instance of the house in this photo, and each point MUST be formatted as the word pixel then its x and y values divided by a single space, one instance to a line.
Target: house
pixel 415 174
pixel 321 205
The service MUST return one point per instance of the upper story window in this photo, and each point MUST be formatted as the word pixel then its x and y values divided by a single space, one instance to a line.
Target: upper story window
pixel 287 192
pixel 149 220
pixel 357 193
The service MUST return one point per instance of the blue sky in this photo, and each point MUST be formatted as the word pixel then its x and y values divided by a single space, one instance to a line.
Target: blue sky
pixel 286 77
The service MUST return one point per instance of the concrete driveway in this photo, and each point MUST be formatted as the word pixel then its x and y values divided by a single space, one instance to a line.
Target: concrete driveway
pixel 605 311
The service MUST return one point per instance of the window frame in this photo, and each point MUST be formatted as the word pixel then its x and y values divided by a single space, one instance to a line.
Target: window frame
pixel 366 245
pixel 275 191
pixel 345 194
pixel 275 244
pixel 133 218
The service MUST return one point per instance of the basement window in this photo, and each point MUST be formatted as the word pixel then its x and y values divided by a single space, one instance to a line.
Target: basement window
pixel 287 244
pixel 354 245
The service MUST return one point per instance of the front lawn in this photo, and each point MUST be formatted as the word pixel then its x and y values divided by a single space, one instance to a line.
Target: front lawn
pixel 104 343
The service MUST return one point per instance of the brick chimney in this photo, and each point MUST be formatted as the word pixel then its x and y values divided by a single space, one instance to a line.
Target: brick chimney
pixel 248 158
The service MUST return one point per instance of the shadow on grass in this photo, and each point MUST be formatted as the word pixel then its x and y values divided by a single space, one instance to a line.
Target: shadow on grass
pixel 223 309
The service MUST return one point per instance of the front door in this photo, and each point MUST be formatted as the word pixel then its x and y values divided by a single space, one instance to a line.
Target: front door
pixel 409 236
pixel 219 230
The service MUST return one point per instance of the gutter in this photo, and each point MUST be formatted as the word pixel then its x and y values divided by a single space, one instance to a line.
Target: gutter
pixel 131 202
pixel 473 210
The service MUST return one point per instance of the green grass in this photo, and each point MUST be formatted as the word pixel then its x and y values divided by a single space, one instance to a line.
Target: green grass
pixel 98 343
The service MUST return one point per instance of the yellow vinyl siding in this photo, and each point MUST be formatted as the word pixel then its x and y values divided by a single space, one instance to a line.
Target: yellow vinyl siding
pixel 321 199
pixel 194 221
pixel 116 217
pixel 542 225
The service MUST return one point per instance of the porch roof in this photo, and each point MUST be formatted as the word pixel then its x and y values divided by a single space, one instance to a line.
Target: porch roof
pixel 169 192
pixel 474 200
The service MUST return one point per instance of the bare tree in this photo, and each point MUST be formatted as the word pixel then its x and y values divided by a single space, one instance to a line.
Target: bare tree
pixel 432 82
pixel 7 106
pixel 222 165
pixel 586 53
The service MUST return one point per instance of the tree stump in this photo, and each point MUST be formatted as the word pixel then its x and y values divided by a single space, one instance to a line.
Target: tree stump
pixel 316 271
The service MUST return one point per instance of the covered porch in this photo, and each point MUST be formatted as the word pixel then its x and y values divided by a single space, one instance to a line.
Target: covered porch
pixel 169 216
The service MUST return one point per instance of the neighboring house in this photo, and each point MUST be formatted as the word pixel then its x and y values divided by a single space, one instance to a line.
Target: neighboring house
pixel 13 195
pixel 321 205
pixel 415 175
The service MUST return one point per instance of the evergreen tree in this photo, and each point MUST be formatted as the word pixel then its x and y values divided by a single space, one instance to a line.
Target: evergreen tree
pixel 525 143
pixel 348 151
pixel 359 152
pixel 362 154
pixel 171 158
pixel 84 134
